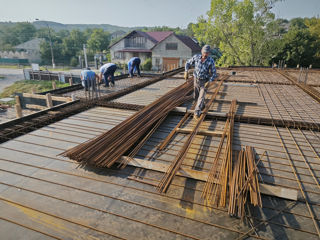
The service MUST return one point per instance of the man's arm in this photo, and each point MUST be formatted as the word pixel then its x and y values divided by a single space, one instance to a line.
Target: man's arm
pixel 213 71
pixel 189 63
pixel 100 77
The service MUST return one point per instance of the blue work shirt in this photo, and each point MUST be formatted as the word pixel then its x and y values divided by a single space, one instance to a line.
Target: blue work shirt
pixel 131 62
pixel 105 67
pixel 87 75
pixel 202 69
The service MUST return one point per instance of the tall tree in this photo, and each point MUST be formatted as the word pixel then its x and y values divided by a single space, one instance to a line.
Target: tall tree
pixel 18 33
pixel 99 40
pixel 238 28
pixel 299 47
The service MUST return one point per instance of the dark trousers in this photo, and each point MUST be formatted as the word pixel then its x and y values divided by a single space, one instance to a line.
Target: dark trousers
pixel 110 72
pixel 135 64
pixel 199 95
pixel 87 83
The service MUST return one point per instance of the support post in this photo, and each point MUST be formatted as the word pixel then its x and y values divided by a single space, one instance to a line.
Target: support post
pixel 54 86
pixel 18 107
pixel 49 100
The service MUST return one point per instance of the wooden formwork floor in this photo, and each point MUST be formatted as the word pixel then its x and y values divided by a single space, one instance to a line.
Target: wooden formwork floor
pixel 45 196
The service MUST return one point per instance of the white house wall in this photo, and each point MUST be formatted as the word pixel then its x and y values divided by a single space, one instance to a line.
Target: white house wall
pixel 183 52
pixel 127 55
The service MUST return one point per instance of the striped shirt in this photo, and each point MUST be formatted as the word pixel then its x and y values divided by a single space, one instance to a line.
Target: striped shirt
pixel 203 70
pixel 105 67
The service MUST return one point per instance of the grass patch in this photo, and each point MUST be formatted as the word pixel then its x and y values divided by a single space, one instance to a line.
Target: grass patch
pixel 26 86
pixel 10 103
pixel 41 68
pixel 55 69
pixel 13 66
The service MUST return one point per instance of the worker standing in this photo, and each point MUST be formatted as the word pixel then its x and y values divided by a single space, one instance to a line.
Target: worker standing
pixel 88 78
pixel 107 72
pixel 134 65
pixel 204 72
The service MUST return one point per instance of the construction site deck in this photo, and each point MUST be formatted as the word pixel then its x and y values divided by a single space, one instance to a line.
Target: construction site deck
pixel 44 195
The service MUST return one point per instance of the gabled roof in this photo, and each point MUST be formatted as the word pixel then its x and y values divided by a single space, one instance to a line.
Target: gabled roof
pixel 33 44
pixel 189 42
pixel 157 37
pixel 143 34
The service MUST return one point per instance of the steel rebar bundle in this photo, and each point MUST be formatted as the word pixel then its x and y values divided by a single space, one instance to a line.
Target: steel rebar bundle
pixel 175 165
pixel 109 147
pixel 216 186
pixel 244 181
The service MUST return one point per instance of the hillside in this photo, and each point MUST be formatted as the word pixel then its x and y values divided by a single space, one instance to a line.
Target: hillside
pixel 59 26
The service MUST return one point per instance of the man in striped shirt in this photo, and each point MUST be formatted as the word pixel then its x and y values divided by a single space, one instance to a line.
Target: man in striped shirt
pixel 204 72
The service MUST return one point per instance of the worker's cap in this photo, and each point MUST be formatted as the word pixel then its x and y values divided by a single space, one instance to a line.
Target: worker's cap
pixel 205 49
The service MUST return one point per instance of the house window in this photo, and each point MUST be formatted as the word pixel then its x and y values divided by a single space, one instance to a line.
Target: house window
pixel 157 61
pixel 171 46
pixel 118 55
pixel 135 42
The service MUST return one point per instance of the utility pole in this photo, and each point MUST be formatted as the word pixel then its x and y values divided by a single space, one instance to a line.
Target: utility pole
pixel 52 56
pixel 51 46
pixel 85 55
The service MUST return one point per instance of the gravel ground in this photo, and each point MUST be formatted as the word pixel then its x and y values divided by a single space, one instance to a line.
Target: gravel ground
pixel 11 114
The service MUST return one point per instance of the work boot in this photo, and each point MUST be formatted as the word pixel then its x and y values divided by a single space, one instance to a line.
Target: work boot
pixel 196 115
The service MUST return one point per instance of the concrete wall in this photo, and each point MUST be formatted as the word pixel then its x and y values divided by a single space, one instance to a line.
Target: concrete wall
pixel 159 52
pixel 32 55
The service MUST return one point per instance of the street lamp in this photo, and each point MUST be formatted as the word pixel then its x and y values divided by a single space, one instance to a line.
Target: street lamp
pixel 52 57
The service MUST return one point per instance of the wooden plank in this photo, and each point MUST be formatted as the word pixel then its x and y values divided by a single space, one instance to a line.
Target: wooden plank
pixel 266 189
pixel 34 106
pixel 200 132
pixel 37 96
pixel 54 98
pixel 210 113
pixel 61 99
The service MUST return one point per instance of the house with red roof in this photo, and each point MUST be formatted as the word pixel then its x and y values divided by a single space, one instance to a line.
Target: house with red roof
pixel 166 49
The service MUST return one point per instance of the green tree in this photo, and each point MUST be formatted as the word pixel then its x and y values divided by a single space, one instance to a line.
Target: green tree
pixel 72 44
pixel 13 35
pixel 297 23
pixel 99 40
pixel 299 47
pixel 238 28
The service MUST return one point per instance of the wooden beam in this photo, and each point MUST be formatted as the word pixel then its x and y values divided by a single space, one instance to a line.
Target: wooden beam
pixel 266 189
pixel 49 100
pixel 54 98
pixel 210 113
pixel 34 106
pixel 36 96
pixel 18 107
pixel 200 132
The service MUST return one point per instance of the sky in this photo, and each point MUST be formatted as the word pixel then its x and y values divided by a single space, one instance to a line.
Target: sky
pixel 131 13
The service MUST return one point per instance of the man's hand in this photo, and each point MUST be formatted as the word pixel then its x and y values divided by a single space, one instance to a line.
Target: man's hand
pixel 186 75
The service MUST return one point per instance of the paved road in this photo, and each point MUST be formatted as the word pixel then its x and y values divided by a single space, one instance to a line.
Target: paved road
pixel 10 76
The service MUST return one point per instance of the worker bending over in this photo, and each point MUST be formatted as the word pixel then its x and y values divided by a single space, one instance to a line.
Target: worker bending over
pixel 107 72
pixel 88 78
pixel 134 65
pixel 204 72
